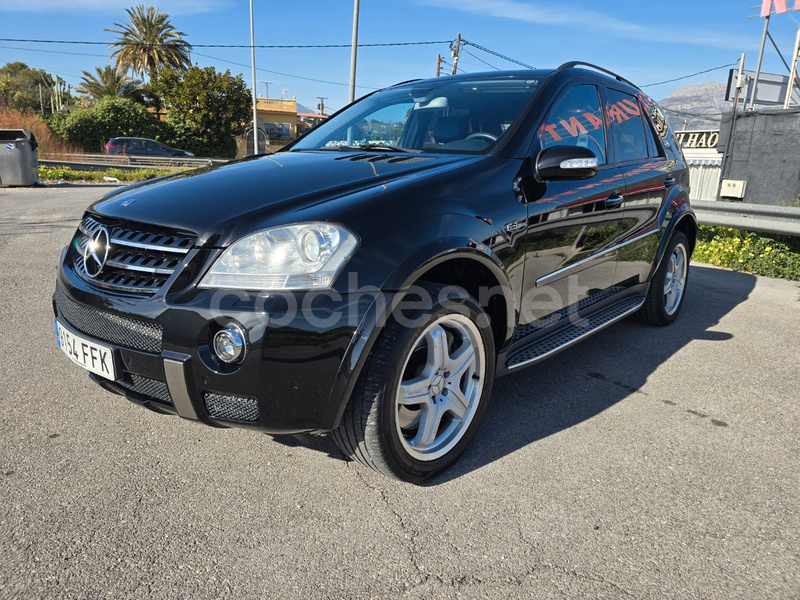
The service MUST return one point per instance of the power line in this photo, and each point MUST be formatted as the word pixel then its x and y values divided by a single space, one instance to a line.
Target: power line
pixel 503 56
pixel 294 46
pixel 692 75
pixel 283 74
pixel 480 59
pixel 708 117
pixel 444 62
pixel 48 71
pixel 52 51
pixel 195 53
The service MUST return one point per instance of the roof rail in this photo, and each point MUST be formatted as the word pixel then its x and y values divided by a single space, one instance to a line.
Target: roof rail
pixel 579 63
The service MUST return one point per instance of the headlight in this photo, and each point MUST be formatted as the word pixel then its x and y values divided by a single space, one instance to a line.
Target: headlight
pixel 295 257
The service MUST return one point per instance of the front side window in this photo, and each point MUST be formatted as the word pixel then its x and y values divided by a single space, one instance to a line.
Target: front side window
pixel 462 116
pixel 630 131
pixel 576 120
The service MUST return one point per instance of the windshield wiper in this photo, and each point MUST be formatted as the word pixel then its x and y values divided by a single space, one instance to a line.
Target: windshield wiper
pixel 382 148
pixel 370 148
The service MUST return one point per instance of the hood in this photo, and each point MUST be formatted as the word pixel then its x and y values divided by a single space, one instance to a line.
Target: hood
pixel 211 200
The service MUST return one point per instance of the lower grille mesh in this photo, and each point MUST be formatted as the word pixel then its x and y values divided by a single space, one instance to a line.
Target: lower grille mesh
pixel 122 331
pixel 231 408
pixel 152 388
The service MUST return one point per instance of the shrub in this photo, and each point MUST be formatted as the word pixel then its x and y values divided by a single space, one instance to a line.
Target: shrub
pixel 67 174
pixel 49 140
pixel 205 108
pixel 756 253
pixel 91 128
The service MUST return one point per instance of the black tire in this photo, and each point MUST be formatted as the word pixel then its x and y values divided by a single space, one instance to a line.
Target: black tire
pixel 656 309
pixel 370 431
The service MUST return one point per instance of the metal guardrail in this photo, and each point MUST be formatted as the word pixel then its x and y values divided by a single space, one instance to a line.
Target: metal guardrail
pixel 778 220
pixel 94 162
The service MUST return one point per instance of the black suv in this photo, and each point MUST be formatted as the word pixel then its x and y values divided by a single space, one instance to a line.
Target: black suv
pixel 142 147
pixel 373 277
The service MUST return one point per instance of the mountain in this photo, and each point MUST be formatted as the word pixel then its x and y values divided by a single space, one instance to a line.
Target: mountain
pixel 700 106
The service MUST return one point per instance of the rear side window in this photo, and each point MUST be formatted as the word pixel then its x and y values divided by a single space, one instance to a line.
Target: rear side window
pixel 633 138
pixel 576 120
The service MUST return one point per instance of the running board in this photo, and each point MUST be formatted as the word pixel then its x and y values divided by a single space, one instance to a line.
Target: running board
pixel 575 331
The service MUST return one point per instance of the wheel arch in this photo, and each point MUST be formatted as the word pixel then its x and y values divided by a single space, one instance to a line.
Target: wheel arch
pixel 683 220
pixel 468 265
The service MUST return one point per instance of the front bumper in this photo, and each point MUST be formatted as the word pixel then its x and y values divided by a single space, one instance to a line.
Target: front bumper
pixel 302 353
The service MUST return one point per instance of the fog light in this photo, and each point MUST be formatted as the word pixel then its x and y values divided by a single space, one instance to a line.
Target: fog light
pixel 229 344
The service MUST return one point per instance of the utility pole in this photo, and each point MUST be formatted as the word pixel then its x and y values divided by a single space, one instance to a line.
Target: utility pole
pixel 438 65
pixel 255 97
pixel 456 52
pixel 729 145
pixel 266 88
pixel 760 60
pixel 795 56
pixel 321 104
pixel 354 52
pixel 41 100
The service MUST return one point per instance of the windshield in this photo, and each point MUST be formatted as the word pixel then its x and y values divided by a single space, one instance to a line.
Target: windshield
pixel 447 116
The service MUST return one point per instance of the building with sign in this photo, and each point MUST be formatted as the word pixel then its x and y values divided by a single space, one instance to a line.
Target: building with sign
pixel 705 162
pixel 281 122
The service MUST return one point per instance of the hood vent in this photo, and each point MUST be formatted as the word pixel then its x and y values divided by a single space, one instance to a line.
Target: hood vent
pixel 385 158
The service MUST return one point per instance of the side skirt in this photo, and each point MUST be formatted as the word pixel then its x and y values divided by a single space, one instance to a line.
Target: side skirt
pixel 569 330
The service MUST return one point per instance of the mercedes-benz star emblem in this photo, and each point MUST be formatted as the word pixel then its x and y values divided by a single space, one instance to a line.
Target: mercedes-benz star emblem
pixel 95 254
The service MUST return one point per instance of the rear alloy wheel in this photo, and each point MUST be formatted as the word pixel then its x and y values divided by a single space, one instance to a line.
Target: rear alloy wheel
pixel 423 391
pixel 668 287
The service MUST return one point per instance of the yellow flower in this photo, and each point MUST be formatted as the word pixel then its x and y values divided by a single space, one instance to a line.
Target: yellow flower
pixel 768 249
pixel 741 260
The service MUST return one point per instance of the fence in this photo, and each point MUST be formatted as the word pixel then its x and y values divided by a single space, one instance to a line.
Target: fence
pixel 97 162
pixel 778 220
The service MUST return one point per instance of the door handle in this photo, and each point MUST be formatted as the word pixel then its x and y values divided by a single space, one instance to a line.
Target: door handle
pixel 669 182
pixel 614 201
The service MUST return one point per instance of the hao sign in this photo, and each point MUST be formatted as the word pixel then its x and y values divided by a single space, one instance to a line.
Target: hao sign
pixel 781 7
pixel 697 139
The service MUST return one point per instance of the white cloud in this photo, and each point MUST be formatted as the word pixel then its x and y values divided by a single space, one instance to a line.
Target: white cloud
pixel 172 7
pixel 571 14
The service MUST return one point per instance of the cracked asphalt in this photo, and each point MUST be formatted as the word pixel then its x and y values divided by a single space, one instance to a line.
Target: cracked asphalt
pixel 642 463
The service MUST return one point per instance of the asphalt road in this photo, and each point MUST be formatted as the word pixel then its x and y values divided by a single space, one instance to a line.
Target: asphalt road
pixel 643 463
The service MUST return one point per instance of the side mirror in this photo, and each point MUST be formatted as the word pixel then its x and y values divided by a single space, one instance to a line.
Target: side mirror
pixel 564 163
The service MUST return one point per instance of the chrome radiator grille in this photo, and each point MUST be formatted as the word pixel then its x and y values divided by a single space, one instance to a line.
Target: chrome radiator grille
pixel 139 260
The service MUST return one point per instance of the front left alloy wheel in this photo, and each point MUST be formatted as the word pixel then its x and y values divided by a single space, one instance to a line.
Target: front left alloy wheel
pixel 424 389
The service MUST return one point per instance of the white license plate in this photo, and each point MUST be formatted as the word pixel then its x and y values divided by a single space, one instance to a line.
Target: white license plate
pixel 91 356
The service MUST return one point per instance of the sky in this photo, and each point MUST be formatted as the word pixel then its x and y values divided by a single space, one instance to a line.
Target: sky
pixel 641 41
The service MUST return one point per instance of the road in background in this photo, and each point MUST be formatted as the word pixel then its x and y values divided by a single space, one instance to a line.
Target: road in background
pixel 642 463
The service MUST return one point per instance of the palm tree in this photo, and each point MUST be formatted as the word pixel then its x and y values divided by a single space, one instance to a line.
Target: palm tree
pixel 109 81
pixel 149 41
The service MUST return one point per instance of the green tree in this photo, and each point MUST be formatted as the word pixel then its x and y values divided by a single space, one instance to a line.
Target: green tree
pixel 205 109
pixel 91 128
pixel 148 41
pixel 108 81
pixel 20 86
